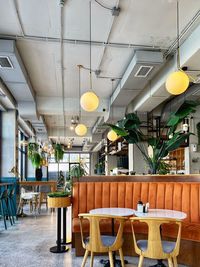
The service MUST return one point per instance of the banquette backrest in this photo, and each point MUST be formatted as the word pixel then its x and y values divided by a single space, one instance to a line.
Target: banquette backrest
pixel 182 196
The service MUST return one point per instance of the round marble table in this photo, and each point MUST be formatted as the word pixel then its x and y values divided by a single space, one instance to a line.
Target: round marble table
pixel 115 212
pixel 162 213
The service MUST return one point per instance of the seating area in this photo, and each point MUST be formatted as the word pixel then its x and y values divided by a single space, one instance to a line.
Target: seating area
pixel 161 195
pixel 100 133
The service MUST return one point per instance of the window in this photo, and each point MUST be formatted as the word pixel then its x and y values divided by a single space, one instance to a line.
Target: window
pixel 22 156
pixel 68 161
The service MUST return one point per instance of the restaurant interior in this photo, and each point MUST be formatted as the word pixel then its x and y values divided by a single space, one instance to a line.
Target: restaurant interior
pixel 99 133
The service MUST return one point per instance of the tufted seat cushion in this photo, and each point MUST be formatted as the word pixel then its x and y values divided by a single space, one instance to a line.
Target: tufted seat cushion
pixel 106 240
pixel 168 246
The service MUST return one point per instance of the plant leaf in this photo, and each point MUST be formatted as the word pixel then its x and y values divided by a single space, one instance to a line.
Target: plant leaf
pixel 119 131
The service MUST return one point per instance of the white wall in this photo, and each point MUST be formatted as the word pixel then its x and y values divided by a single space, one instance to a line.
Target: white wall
pixel 136 160
pixel 9 143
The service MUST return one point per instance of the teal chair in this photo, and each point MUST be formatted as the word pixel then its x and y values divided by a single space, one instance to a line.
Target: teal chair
pixel 4 207
pixel 11 204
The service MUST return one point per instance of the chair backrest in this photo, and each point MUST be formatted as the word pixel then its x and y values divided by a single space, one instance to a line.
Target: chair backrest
pixel 44 188
pixel 95 242
pixel 154 243
pixel 4 194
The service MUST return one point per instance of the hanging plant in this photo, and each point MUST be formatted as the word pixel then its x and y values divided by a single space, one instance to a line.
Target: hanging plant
pixel 59 153
pixel 34 155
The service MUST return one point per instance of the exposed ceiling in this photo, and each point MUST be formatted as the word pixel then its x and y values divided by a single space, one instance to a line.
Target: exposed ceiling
pixel 148 25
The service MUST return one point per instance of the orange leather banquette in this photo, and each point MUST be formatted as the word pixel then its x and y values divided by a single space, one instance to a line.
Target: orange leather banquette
pixel 182 196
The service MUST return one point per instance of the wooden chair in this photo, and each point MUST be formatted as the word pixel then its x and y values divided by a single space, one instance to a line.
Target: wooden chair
pixel 155 247
pixel 101 243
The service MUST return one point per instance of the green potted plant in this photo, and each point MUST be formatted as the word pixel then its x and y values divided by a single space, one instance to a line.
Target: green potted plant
pixel 34 155
pixel 59 199
pixel 77 171
pixel 129 129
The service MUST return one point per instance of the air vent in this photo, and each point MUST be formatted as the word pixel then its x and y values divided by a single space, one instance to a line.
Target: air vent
pixel 143 71
pixel 5 63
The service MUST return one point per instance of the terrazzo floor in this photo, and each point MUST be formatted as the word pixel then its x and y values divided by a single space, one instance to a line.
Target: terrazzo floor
pixel 27 243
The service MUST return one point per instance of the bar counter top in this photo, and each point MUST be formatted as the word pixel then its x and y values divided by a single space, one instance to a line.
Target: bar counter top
pixel 141 178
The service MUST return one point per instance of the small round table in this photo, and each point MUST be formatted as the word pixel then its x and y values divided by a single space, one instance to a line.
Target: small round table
pixel 162 213
pixel 115 212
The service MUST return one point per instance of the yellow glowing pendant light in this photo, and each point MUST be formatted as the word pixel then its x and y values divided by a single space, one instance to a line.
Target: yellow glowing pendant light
pixel 80 129
pixel 178 81
pixel 112 136
pixel 89 101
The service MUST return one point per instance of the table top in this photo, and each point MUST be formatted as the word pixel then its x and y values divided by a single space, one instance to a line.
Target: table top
pixel 37 183
pixel 162 213
pixel 113 211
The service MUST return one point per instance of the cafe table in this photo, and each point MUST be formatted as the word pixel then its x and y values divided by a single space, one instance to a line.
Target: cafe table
pixel 124 212
pixel 162 213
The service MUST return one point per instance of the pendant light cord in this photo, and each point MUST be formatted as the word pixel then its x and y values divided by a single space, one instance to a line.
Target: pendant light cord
pixel 112 80
pixel 79 90
pixel 178 36
pixel 90 45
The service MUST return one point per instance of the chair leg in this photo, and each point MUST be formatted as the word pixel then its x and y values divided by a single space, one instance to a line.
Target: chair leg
pixel 11 211
pixel 175 261
pixel 85 258
pixel 170 263
pixel 4 217
pixel 121 257
pixel 140 261
pixel 7 211
pixel 91 259
pixel 111 259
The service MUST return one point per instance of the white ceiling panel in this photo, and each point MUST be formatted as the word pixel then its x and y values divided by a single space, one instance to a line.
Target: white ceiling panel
pixel 151 22
pixel 8 18
pixel 42 61
pixel 40 18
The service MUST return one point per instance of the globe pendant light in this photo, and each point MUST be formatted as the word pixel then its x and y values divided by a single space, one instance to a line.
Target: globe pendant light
pixel 80 129
pixel 178 81
pixel 89 101
pixel 112 136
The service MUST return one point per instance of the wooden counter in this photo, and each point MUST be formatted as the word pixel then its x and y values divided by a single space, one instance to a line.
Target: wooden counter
pixel 52 184
pixel 141 178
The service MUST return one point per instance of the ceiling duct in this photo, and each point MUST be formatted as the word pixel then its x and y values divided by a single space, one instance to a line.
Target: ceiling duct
pixel 15 77
pixel 143 66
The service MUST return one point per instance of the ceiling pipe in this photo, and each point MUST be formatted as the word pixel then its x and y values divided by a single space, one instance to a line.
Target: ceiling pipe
pixel 80 42
pixel 108 37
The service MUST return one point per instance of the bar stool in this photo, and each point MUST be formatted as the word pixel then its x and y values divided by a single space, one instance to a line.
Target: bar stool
pixel 11 204
pixel 4 208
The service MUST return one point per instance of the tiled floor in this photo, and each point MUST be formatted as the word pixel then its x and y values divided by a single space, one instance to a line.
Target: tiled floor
pixel 27 245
